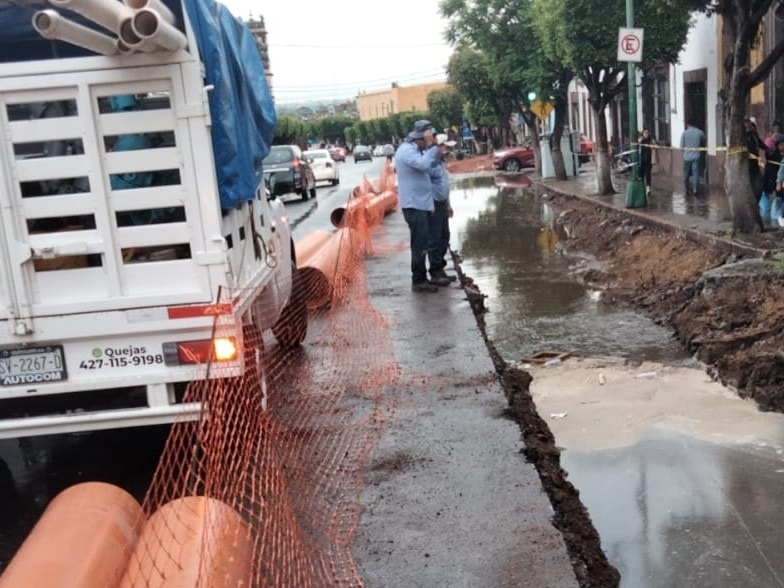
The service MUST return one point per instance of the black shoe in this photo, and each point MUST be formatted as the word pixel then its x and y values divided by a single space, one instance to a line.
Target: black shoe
pixel 424 287
pixel 439 281
pixel 441 275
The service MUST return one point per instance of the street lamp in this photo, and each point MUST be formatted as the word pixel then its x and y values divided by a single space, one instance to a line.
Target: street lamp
pixel 635 191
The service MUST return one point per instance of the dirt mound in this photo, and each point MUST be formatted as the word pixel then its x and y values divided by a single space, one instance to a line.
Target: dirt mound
pixel 727 310
pixel 470 164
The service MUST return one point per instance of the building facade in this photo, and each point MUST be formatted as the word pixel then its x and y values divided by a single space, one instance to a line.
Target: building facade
pixel 259 32
pixel 670 95
pixel 373 105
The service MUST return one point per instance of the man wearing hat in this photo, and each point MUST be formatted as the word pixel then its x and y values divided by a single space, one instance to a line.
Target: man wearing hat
pixel 413 161
pixel 439 220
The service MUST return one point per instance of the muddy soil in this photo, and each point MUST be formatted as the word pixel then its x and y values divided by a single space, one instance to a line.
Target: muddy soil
pixel 727 310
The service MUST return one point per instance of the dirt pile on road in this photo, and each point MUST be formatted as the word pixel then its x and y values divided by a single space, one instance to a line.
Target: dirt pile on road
pixel 470 164
pixel 727 310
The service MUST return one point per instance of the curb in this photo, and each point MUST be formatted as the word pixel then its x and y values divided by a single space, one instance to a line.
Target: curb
pixel 655 222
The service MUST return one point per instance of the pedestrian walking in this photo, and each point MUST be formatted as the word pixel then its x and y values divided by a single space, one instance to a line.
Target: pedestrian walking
pixel 413 161
pixel 692 142
pixel 646 157
pixel 442 212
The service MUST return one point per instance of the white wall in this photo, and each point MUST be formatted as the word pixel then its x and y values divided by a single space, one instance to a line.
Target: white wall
pixel 700 51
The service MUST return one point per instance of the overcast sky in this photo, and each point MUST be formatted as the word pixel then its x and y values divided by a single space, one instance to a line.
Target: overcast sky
pixel 335 48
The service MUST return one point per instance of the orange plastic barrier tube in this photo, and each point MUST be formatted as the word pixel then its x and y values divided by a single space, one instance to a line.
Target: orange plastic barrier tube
pixel 325 267
pixel 189 542
pixel 83 540
pixel 310 244
pixel 351 214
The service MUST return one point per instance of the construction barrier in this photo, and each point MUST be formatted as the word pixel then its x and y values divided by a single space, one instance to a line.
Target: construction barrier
pixel 264 490
pixel 82 540
pixel 214 547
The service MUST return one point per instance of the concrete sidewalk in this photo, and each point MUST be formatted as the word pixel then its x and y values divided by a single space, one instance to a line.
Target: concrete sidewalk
pixel 705 218
pixel 450 500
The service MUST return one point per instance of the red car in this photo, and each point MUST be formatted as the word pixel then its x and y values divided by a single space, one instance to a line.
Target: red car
pixel 513 159
pixel 337 153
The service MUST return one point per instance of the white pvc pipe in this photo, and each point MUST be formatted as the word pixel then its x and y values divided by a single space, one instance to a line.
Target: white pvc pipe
pixel 51 25
pixel 154 5
pixel 123 49
pixel 148 25
pixel 132 41
pixel 106 13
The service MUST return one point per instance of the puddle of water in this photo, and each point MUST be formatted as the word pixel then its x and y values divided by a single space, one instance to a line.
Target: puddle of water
pixel 535 298
pixel 672 511
pixel 681 477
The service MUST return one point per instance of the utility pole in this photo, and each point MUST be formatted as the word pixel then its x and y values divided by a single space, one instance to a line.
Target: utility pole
pixel 635 191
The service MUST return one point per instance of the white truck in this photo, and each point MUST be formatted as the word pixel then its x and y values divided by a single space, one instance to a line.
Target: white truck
pixel 138 244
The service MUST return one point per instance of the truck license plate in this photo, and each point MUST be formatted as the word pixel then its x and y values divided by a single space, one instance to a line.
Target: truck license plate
pixel 32 365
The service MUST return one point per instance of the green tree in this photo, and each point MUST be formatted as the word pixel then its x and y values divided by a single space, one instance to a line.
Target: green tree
pixel 446 107
pixel 289 131
pixel 742 20
pixel 583 35
pixel 471 72
pixel 329 129
pixel 350 133
pixel 514 65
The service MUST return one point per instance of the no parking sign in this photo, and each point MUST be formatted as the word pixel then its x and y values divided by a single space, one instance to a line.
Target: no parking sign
pixel 630 44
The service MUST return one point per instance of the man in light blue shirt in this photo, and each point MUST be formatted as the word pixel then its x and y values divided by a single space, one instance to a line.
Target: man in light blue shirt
pixel 692 140
pixel 413 160
pixel 439 220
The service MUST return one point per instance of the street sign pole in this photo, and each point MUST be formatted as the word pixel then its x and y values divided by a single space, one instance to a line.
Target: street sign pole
pixel 635 191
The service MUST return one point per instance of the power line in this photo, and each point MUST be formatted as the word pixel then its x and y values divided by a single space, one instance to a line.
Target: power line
pixel 305 46
pixel 358 84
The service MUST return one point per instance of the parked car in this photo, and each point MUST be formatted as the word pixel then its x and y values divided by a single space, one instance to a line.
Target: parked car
pixel 513 159
pixel 337 153
pixel 287 171
pixel 361 152
pixel 324 169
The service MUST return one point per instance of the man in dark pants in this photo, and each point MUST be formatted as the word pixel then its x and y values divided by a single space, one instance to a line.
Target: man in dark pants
pixel 439 220
pixel 413 161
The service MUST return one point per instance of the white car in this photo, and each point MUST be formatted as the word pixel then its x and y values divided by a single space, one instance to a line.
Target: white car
pixel 325 169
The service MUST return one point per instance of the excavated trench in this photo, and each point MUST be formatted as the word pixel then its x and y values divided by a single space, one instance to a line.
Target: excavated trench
pixel 591 566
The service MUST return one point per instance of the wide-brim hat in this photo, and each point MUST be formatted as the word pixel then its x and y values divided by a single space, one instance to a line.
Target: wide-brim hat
pixel 420 128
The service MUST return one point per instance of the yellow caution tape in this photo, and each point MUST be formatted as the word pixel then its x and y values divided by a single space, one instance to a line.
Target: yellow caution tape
pixel 729 151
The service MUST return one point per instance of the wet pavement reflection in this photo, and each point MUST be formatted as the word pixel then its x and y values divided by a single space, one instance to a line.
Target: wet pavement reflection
pixel 535 299
pixel 673 511
pixel 682 483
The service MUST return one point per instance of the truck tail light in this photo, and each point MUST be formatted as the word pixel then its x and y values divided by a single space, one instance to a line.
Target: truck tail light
pixel 201 351
pixel 295 164
pixel 329 164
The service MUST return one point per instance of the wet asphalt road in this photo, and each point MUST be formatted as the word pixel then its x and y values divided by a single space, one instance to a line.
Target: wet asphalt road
pixel 673 508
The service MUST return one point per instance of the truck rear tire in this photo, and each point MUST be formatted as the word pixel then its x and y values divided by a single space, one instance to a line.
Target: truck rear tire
pixel 291 328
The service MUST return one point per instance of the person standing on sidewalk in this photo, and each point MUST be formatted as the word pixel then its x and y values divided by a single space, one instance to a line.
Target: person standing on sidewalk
pixel 413 161
pixel 692 141
pixel 439 220
pixel 646 158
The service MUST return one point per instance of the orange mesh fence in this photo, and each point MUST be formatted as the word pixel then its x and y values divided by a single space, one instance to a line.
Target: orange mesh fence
pixel 264 489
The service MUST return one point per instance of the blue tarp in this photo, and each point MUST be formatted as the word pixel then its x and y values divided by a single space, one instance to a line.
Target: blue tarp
pixel 243 113
pixel 241 106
